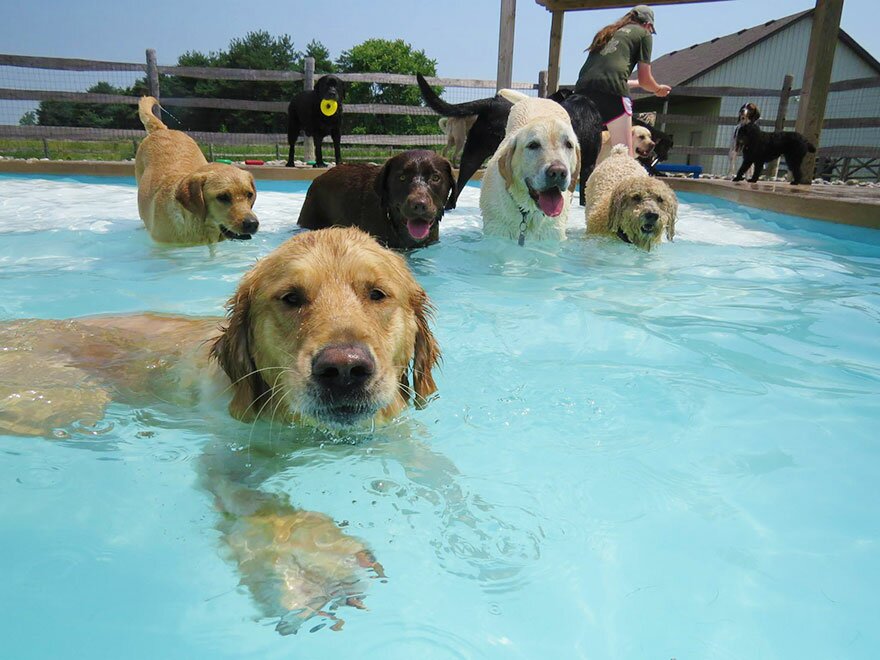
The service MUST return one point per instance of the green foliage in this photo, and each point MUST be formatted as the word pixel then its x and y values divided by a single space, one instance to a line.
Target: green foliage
pixel 385 56
pixel 261 50
pixel 93 115
pixel 29 119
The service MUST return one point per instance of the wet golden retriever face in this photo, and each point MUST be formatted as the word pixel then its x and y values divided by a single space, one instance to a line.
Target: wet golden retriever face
pixel 223 196
pixel 643 145
pixel 544 157
pixel 642 209
pixel 328 328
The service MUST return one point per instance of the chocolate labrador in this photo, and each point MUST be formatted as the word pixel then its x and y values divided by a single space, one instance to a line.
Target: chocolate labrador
pixel 399 203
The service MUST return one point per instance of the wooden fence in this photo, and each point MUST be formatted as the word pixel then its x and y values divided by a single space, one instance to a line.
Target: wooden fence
pixel 864 155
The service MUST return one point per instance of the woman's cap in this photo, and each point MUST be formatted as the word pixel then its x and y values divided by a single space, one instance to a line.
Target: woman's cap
pixel 644 14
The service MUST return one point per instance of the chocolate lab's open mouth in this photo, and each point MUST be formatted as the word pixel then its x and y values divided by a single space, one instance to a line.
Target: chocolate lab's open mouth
pixel 231 235
pixel 550 201
pixel 419 228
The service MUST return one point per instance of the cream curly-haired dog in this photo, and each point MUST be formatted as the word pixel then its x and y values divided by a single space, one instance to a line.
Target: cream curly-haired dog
pixel 527 186
pixel 622 200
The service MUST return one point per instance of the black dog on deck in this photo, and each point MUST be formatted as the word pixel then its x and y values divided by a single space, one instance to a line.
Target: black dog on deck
pixel 317 113
pixel 483 138
pixel 760 148
pixel 587 125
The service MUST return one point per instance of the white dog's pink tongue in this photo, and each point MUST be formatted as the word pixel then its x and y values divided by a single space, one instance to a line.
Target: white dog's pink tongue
pixel 418 229
pixel 550 202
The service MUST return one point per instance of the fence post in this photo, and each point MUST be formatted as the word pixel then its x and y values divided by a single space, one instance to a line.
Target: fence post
pixel 505 44
pixel 152 74
pixel 542 84
pixel 211 151
pixel 308 85
pixel 784 96
pixel 46 148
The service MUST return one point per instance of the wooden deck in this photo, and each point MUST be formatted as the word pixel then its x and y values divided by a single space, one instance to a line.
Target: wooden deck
pixel 851 205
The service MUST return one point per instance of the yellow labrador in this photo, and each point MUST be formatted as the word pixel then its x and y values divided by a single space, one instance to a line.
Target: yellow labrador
pixel 527 186
pixel 182 198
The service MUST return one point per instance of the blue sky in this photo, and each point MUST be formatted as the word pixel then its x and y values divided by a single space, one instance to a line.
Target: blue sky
pixel 462 35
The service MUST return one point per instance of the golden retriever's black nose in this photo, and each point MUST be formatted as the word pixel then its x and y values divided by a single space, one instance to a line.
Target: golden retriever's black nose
pixel 343 367
pixel 250 225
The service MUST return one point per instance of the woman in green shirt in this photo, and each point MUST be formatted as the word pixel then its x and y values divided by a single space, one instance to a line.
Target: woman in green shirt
pixel 604 77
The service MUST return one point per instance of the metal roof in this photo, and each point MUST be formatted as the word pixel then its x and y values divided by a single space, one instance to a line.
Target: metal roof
pixel 681 66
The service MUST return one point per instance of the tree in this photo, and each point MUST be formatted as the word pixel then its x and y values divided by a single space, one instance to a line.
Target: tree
pixel 29 119
pixel 323 63
pixel 93 115
pixel 385 56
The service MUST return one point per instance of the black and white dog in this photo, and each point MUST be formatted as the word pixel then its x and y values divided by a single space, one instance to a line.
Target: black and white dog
pixel 760 148
pixel 748 114
pixel 317 113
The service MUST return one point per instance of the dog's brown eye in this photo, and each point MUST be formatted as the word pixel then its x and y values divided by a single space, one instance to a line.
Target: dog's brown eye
pixel 295 298
pixel 224 197
pixel 659 200
pixel 402 177
pixel 435 177
pixel 250 195
pixel 568 144
pixel 637 198
pixel 377 294
pixel 534 144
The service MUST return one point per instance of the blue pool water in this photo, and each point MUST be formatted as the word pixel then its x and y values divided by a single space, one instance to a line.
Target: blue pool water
pixel 633 455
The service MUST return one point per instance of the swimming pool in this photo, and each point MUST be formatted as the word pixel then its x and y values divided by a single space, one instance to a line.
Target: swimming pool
pixel 665 454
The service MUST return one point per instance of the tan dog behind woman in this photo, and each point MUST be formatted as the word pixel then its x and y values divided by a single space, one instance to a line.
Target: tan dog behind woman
pixel 183 199
pixel 329 330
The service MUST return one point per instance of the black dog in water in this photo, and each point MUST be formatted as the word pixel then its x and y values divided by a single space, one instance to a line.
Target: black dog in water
pixel 317 113
pixel 587 125
pixel 483 138
pixel 759 148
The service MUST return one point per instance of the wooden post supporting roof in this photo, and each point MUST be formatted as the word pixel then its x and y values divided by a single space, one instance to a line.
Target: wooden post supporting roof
pixel 555 51
pixel 817 75
pixel 505 44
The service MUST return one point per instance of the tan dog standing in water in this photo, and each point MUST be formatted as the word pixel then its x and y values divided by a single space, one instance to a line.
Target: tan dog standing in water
pixel 329 330
pixel 182 198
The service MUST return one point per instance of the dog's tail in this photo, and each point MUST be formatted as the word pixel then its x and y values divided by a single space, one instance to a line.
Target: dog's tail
pixel 811 148
pixel 443 121
pixel 145 111
pixel 441 107
pixel 619 150
pixel 512 95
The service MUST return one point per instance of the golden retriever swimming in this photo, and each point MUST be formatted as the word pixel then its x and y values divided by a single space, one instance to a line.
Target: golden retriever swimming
pixel 527 186
pixel 329 330
pixel 182 198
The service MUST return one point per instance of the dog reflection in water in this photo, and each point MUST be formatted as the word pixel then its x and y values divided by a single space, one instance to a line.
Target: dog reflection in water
pixel 329 331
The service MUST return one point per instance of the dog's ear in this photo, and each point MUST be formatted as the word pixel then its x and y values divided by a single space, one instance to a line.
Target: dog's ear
pixel 190 196
pixel 617 207
pixel 673 214
pixel 756 114
pixel 426 352
pixel 232 351
pixel 380 185
pixel 505 160
pixel 576 172
pixel 450 178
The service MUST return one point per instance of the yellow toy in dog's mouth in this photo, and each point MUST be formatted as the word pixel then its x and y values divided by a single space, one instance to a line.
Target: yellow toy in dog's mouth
pixel 329 107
